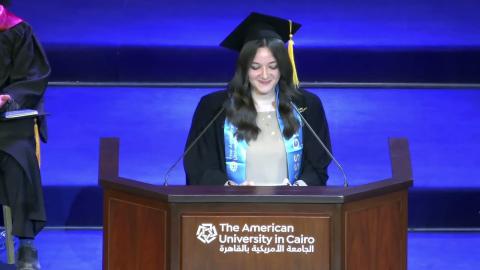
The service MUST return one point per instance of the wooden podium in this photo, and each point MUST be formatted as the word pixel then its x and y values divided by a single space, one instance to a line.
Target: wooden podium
pixel 197 227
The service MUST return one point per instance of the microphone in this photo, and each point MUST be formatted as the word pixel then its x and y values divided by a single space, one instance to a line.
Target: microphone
pixel 345 182
pixel 165 178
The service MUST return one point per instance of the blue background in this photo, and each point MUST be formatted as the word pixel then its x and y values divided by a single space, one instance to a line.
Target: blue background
pixel 443 126
pixel 423 56
pixel 425 41
pixel 393 23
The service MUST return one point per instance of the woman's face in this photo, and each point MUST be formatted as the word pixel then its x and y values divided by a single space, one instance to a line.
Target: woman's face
pixel 263 73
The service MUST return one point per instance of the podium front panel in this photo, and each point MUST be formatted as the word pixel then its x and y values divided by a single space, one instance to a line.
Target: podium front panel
pixel 255 241
pixel 376 233
pixel 194 227
pixel 135 233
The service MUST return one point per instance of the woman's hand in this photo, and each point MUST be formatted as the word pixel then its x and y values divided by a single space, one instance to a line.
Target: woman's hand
pixel 246 183
pixel 299 183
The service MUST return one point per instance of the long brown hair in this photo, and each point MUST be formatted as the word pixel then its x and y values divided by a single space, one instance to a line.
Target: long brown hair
pixel 240 108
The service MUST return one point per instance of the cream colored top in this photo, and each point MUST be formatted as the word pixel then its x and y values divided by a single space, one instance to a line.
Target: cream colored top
pixel 266 156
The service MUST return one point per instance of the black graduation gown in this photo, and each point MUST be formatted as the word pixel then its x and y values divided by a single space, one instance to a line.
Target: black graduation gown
pixel 205 163
pixel 24 72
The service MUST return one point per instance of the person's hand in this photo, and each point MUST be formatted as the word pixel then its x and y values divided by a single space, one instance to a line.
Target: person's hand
pixel 4 99
pixel 286 182
pixel 299 183
pixel 246 183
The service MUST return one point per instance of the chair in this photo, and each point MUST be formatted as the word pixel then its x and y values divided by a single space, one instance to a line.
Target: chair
pixel 7 213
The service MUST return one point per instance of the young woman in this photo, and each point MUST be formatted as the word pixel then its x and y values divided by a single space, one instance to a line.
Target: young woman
pixel 257 137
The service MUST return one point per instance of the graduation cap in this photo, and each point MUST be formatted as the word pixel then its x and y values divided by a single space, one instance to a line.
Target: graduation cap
pixel 258 26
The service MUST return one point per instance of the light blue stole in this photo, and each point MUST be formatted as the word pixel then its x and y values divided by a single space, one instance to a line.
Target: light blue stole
pixel 236 151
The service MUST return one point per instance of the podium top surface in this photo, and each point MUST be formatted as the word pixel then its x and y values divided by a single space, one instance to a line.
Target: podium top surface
pixel 255 194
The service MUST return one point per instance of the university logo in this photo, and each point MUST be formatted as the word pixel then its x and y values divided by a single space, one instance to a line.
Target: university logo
pixel 206 233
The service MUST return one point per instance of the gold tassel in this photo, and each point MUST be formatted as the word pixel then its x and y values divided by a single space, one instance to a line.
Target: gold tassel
pixel 295 80
pixel 37 141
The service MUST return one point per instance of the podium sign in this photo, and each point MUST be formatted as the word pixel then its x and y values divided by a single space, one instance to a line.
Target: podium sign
pixel 242 241
pixel 153 227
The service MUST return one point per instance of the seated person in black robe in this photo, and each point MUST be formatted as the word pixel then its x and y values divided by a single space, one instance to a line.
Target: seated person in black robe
pixel 24 70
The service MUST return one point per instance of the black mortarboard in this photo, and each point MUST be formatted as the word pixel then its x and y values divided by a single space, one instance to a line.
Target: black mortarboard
pixel 258 26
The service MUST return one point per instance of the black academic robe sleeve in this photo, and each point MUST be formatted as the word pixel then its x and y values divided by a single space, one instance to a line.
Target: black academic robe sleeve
pixel 24 70
pixel 205 162
pixel 315 160
pixel 24 73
